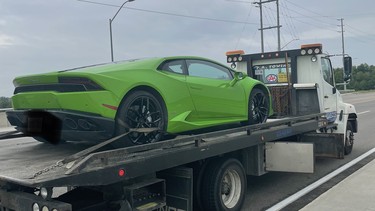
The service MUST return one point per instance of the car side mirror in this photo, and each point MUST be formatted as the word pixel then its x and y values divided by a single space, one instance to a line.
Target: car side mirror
pixel 237 76
pixel 347 68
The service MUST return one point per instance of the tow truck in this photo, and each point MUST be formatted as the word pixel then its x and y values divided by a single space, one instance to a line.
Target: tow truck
pixel 205 171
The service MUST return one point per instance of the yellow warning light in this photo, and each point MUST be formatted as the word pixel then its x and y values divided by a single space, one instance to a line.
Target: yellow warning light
pixel 235 52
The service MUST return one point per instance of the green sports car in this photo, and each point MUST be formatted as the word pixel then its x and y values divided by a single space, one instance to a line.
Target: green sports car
pixel 171 94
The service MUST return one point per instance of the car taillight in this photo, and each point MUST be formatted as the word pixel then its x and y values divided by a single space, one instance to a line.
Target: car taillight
pixel 88 83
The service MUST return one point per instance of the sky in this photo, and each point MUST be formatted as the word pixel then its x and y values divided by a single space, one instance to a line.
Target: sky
pixel 41 36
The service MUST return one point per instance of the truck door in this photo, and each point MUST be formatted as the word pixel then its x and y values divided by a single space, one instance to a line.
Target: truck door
pixel 329 90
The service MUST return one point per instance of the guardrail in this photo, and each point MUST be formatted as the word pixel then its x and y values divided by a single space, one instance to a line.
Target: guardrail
pixel 3 119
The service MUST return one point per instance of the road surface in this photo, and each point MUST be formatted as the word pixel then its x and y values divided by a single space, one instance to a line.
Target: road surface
pixel 269 189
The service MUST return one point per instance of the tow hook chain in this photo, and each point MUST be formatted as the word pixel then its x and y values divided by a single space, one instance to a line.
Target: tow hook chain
pixel 89 150
pixel 47 169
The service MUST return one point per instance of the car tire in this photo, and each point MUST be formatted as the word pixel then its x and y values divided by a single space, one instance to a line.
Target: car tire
pixel 259 104
pixel 140 109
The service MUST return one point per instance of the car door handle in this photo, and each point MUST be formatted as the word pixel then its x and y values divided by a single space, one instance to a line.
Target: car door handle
pixel 326 96
pixel 195 87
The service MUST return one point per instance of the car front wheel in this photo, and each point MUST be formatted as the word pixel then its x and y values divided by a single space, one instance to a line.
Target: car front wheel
pixel 258 106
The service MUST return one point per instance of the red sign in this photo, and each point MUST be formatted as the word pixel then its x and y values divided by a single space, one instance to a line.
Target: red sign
pixel 271 78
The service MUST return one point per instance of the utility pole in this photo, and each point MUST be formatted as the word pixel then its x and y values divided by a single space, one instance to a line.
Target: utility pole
pixel 343 47
pixel 278 26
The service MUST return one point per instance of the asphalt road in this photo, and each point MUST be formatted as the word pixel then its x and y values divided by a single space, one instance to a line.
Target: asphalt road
pixel 265 191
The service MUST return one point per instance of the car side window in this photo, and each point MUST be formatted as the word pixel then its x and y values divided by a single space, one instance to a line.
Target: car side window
pixel 175 66
pixel 207 69
pixel 327 71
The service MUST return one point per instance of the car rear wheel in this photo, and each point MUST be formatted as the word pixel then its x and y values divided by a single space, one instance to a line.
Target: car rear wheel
pixel 141 109
pixel 258 106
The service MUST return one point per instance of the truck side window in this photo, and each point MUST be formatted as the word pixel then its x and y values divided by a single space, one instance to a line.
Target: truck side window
pixel 327 71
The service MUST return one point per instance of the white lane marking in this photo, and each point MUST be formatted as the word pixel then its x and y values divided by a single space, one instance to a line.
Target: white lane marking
pixel 316 184
pixel 363 112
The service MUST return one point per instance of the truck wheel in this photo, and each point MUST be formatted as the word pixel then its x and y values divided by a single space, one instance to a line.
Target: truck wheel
pixel 140 109
pixel 258 107
pixel 349 139
pixel 224 185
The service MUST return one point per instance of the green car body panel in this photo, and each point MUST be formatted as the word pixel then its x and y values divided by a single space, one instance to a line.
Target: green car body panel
pixel 191 102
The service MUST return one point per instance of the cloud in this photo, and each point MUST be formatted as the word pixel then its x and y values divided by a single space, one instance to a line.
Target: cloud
pixel 6 40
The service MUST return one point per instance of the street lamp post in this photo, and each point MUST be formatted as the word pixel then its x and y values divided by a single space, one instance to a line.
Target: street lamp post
pixel 289 42
pixel 110 26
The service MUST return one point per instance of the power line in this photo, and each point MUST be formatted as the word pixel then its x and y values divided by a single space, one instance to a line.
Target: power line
pixel 289 25
pixel 311 17
pixel 244 26
pixel 270 17
pixel 296 5
pixel 359 30
pixel 170 14
pixel 239 1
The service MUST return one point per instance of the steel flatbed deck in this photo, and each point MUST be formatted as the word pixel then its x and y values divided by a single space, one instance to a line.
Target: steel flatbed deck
pixel 26 162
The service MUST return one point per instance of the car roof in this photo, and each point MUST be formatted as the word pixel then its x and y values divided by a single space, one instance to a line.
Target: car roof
pixel 143 63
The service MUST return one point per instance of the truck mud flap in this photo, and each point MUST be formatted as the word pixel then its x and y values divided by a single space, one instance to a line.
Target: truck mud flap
pixel 179 188
pixel 326 145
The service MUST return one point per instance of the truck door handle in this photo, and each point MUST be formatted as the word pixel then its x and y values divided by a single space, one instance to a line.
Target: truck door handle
pixel 326 96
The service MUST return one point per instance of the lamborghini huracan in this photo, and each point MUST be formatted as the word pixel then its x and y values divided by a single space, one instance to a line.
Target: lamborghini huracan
pixel 171 94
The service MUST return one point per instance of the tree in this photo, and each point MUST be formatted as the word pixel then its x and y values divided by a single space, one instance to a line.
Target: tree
pixel 363 77
pixel 5 102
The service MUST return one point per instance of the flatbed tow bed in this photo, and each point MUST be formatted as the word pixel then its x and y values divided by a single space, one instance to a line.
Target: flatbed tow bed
pixel 27 163
pixel 21 161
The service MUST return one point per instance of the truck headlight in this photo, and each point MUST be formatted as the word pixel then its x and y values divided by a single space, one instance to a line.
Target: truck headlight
pixel 46 193
pixel 36 207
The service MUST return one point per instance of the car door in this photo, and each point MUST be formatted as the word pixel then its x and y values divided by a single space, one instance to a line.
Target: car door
pixel 212 93
pixel 329 90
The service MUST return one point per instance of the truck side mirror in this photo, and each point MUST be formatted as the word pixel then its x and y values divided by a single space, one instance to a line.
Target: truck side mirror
pixel 347 68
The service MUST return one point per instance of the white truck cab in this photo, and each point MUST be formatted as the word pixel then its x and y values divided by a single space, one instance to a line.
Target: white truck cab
pixel 301 81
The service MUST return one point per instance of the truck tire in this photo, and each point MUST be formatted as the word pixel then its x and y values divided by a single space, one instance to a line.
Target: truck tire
pixel 349 139
pixel 224 185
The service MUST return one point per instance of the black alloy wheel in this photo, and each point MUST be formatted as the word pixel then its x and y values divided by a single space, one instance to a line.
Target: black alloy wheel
pixel 141 109
pixel 258 106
